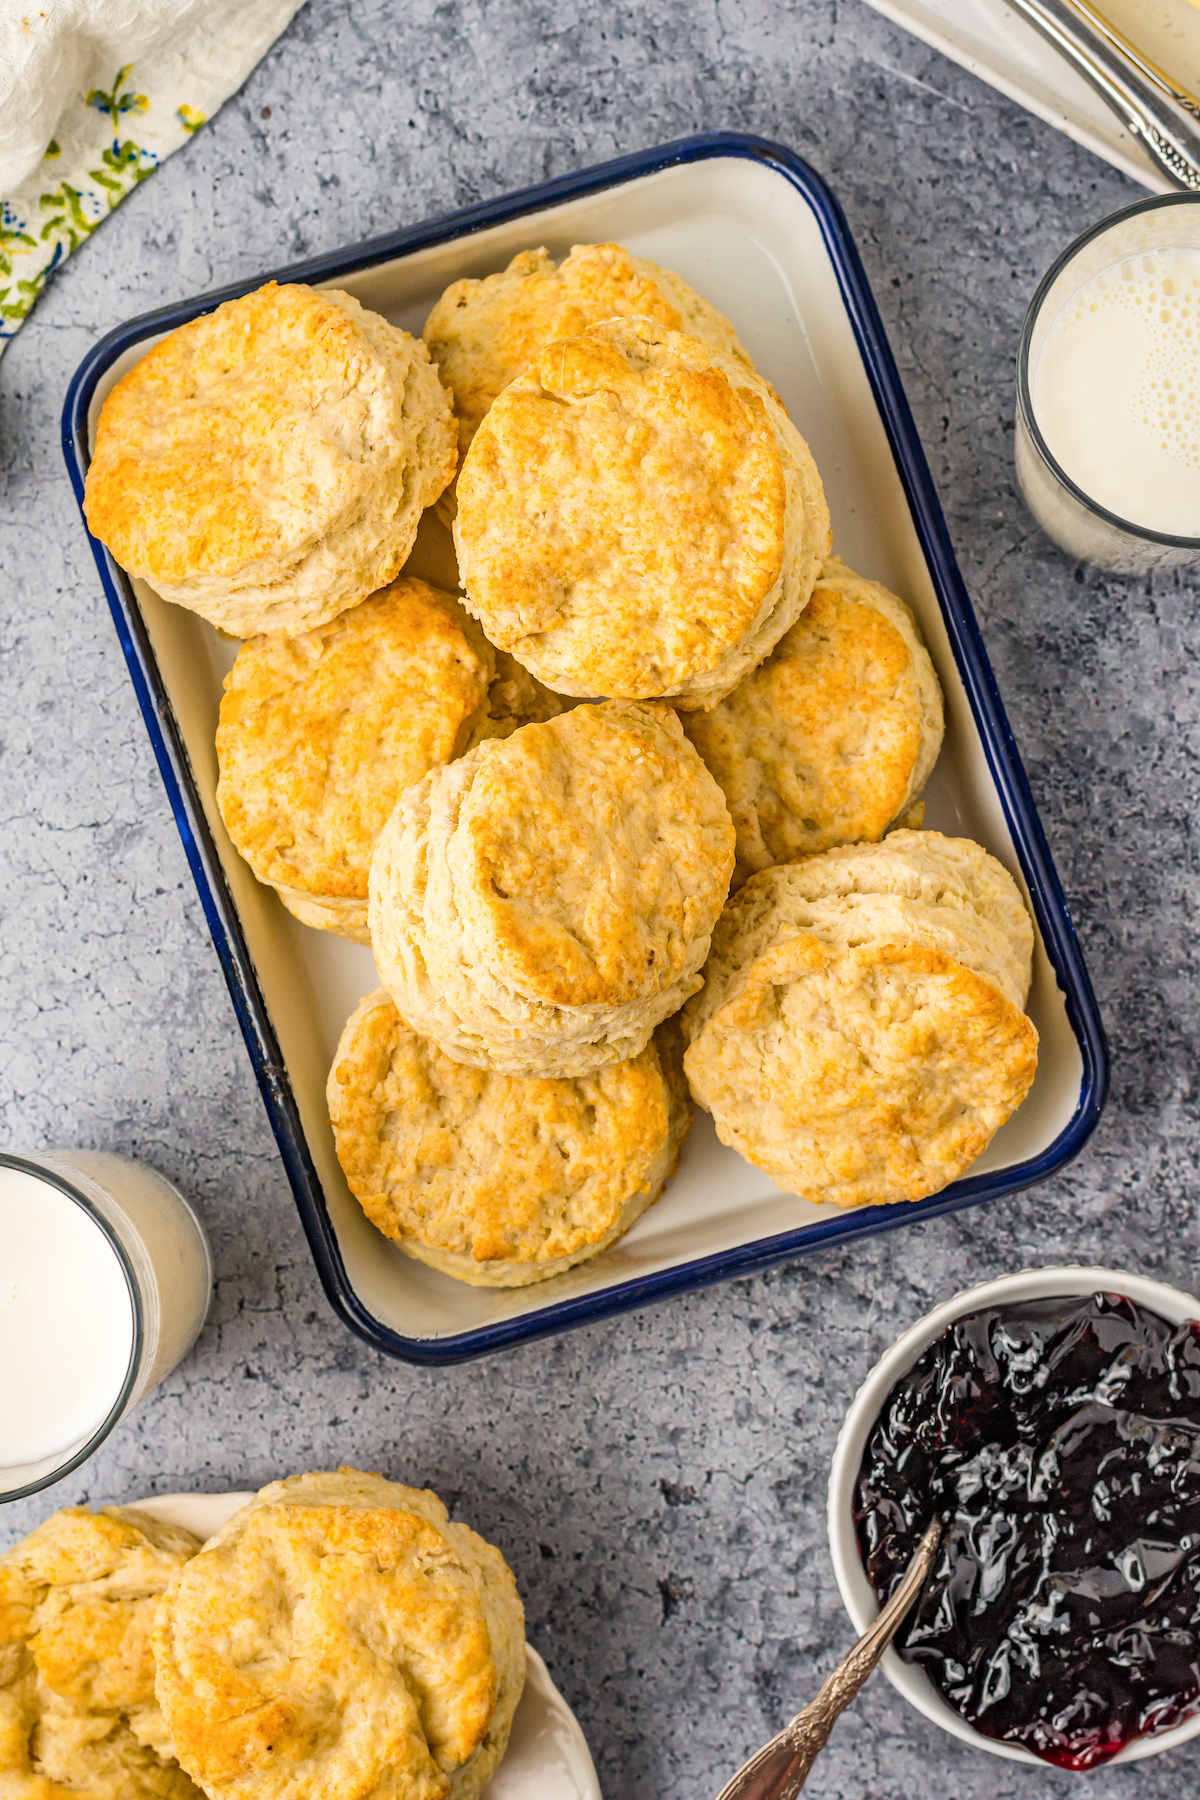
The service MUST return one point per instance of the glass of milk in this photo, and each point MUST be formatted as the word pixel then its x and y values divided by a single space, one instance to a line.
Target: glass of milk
pixel 105 1278
pixel 1108 391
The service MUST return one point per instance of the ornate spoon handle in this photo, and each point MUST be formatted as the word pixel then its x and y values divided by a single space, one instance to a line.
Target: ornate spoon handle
pixel 1149 105
pixel 779 1770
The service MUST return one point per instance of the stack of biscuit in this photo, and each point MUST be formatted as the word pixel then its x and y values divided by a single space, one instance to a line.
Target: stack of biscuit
pixel 268 464
pixel 638 517
pixel 638 524
pixel 483 334
pixel 861 1032
pixel 540 905
pixel 340 1636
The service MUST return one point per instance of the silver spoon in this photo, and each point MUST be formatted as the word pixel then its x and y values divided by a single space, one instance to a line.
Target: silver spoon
pixel 779 1770
pixel 1148 103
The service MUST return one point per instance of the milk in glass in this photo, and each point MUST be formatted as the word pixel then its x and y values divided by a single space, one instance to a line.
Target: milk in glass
pixel 1116 390
pixel 66 1322
pixel 105 1277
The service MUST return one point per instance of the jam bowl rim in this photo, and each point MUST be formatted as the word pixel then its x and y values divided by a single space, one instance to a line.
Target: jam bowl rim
pixel 1171 1303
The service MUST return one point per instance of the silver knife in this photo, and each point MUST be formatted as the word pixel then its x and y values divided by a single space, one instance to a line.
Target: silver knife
pixel 1153 108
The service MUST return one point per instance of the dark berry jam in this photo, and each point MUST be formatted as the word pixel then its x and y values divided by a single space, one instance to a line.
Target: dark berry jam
pixel 1060 1441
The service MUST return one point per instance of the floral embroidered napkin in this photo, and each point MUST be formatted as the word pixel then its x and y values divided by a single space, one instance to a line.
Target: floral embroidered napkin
pixel 93 95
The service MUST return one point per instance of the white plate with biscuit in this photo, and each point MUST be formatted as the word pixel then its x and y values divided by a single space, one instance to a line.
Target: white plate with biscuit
pixel 547 1756
pixel 757 233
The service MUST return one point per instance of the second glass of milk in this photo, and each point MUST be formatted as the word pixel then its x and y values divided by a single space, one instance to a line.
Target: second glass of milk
pixel 1108 391
pixel 105 1278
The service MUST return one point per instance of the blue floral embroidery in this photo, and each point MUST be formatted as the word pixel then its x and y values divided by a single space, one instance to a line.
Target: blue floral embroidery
pixel 117 105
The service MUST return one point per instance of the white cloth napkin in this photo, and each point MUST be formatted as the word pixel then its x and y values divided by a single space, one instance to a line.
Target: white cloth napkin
pixel 93 95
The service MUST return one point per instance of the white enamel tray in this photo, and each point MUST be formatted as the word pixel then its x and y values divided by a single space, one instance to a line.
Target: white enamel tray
pixel 1002 48
pixel 758 232
pixel 547 1756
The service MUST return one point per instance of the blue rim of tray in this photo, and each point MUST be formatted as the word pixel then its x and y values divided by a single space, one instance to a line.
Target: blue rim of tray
pixel 999 746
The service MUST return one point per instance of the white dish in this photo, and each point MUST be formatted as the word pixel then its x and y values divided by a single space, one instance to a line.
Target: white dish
pixel 1003 49
pixel 856 1591
pixel 741 229
pixel 547 1756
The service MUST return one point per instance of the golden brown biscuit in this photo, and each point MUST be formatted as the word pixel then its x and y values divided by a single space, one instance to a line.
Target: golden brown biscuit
pixel 539 906
pixel 342 1639
pixel 482 334
pixel 934 877
pixel 860 1033
pixel 268 463
pixel 78 1714
pixel 638 516
pixel 500 1180
pixel 833 737
pixel 319 734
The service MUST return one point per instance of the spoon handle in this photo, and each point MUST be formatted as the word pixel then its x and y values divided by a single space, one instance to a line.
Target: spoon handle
pixel 781 1767
pixel 814 1722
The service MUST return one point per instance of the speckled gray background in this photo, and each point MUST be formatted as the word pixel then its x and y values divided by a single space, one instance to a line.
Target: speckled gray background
pixel 658 1482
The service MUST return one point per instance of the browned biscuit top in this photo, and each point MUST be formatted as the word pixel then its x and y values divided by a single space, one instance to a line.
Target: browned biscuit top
pixel 319 734
pixel 833 736
pixel 860 1034
pixel 267 464
pixel 78 1713
pixel 482 334
pixel 350 1586
pixel 497 1169
pixel 621 511
pixel 341 1639
pixel 247 395
pixel 539 906
pixel 865 1075
pixel 590 855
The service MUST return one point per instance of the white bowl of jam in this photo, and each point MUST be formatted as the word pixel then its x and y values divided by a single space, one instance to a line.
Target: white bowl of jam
pixel 1052 1419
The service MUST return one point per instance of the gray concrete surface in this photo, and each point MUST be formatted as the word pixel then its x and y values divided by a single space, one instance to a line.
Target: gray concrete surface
pixel 658 1482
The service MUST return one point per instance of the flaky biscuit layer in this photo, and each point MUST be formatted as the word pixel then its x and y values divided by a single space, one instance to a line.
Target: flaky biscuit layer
pixel 638 517
pixel 341 1637
pixel 500 1180
pixel 833 736
pixel 933 884
pixel 323 912
pixel 860 1033
pixel 78 1713
pixel 541 905
pixel 267 464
